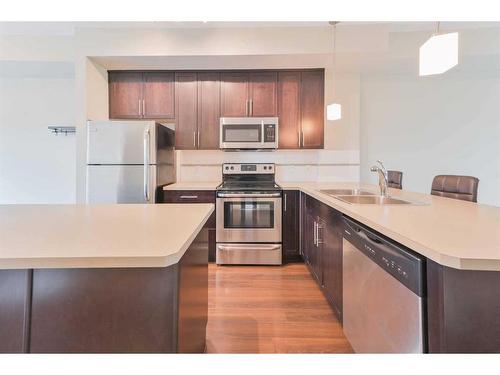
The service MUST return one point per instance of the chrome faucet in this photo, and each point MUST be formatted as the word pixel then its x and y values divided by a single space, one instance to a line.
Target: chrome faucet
pixel 382 177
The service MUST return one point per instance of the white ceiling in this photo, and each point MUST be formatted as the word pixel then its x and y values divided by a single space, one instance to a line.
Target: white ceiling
pixel 68 28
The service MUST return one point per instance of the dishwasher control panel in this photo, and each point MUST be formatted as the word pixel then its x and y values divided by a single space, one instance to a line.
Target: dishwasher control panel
pixel 394 258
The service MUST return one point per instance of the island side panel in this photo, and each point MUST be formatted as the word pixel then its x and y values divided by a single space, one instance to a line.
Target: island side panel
pixel 463 310
pixel 15 304
pixel 193 296
pixel 104 310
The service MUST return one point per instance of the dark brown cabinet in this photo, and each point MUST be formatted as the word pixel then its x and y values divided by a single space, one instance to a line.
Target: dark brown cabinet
pixel 125 95
pixel 312 109
pixel 290 224
pixel 196 196
pixel 197 100
pixel 141 95
pixel 208 110
pixel 248 94
pixel 301 109
pixel 289 109
pixel 197 108
pixel 186 103
pixel 322 249
pixel 158 95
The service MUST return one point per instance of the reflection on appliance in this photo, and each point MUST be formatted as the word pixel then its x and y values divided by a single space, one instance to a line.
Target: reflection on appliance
pixel 248 211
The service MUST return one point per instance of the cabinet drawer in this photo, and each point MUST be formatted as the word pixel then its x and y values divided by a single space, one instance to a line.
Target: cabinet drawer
pixel 189 196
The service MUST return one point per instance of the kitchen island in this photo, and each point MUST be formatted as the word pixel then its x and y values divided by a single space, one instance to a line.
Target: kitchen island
pixel 103 278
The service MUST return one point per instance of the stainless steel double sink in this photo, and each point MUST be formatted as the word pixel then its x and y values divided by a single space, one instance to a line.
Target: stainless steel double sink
pixel 360 196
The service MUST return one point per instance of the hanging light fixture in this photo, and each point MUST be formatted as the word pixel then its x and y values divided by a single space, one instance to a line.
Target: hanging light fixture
pixel 438 54
pixel 334 110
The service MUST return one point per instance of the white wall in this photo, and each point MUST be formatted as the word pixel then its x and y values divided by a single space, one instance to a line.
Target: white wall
pixel 424 126
pixel 36 166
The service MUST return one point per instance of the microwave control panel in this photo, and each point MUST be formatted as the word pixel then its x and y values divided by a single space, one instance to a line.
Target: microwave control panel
pixel 269 133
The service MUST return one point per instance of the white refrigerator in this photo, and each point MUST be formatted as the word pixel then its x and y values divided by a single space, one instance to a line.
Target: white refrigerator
pixel 128 161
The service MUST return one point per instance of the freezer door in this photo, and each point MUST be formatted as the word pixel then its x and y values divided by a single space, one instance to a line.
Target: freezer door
pixel 120 142
pixel 121 184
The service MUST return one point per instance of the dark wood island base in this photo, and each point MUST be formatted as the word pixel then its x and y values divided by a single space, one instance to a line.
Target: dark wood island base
pixel 107 310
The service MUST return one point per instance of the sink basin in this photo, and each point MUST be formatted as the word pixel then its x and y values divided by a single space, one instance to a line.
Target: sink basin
pixel 371 199
pixel 347 192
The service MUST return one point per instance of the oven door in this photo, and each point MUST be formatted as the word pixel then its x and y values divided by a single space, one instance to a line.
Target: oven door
pixel 248 217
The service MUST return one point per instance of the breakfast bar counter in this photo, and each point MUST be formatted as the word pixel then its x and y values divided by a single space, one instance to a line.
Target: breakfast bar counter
pixel 103 278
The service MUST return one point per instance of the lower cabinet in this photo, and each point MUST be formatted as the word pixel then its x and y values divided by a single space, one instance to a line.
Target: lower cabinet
pixel 196 196
pixel 290 225
pixel 321 247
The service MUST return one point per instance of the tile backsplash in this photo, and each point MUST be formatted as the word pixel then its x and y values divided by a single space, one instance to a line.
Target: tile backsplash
pixel 297 165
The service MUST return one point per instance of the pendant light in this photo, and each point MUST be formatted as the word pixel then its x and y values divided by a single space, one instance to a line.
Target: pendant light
pixel 334 110
pixel 438 54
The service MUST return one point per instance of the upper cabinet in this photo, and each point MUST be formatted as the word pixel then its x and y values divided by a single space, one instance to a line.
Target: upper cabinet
pixel 301 109
pixel 246 94
pixel 197 110
pixel 197 100
pixel 141 95
pixel 312 106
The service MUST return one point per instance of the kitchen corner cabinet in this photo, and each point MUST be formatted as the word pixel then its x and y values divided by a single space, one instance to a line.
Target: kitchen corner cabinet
pixel 321 247
pixel 246 94
pixel 291 232
pixel 301 109
pixel 141 95
pixel 197 109
pixel 196 196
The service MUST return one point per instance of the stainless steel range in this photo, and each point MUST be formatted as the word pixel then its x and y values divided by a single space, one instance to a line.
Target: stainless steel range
pixel 248 211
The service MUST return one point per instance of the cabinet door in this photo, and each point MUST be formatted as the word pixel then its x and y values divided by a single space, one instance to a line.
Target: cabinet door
pixel 186 99
pixel 234 94
pixel 331 239
pixel 291 226
pixel 263 94
pixel 208 110
pixel 312 109
pixel 125 95
pixel 289 109
pixel 158 95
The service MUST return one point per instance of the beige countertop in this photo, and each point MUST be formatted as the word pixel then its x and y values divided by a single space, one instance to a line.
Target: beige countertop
pixel 207 185
pixel 98 236
pixel 453 233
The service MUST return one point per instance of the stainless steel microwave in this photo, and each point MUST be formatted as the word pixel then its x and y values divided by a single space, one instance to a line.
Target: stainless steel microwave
pixel 248 133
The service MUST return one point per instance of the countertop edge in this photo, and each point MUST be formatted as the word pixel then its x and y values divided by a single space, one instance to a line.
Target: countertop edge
pixel 106 262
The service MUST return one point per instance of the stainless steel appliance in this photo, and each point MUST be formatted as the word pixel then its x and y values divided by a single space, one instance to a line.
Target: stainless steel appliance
pixel 248 211
pixel 383 293
pixel 248 133
pixel 127 161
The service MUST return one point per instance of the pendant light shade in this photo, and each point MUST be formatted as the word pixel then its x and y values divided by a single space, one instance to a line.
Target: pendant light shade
pixel 333 111
pixel 438 54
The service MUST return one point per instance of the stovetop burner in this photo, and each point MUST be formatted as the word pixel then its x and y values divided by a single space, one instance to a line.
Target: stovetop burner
pixel 248 178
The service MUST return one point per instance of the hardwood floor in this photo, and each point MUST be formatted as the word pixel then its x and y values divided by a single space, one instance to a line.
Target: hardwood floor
pixel 267 309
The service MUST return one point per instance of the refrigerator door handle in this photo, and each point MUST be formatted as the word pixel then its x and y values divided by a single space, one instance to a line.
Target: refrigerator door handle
pixel 146 164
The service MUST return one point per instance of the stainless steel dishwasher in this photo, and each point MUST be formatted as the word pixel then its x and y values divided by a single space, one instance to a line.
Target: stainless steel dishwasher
pixel 383 293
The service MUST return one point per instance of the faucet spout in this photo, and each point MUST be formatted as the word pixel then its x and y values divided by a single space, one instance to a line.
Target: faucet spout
pixel 382 178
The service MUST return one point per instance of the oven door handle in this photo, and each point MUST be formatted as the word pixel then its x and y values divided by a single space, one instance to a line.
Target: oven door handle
pixel 252 246
pixel 239 195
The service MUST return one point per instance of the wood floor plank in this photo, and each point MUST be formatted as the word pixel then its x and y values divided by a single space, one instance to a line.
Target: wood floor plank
pixel 256 309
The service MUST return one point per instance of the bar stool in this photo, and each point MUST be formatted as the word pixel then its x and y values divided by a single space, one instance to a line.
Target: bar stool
pixel 395 179
pixel 457 187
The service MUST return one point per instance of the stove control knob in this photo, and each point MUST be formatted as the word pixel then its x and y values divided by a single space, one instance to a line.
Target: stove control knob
pixel 265 167
pixel 232 167
pixel 227 167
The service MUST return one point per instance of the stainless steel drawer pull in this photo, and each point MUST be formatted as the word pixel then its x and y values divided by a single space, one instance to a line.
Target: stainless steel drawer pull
pixel 189 197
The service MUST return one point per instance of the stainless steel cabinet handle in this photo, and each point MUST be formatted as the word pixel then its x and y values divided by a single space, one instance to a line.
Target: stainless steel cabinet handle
pixel 140 108
pixel 143 107
pixel 299 137
pixel 315 234
pixel 284 203
pixel 247 108
pixel 251 107
pixel 302 139
pixel 198 139
pixel 194 139
pixel 189 197
pixel 146 165
pixel 319 240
